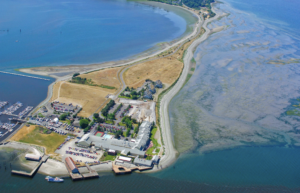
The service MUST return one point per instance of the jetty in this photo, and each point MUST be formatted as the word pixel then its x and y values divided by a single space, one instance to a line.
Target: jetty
pixel 35 169
pixel 24 75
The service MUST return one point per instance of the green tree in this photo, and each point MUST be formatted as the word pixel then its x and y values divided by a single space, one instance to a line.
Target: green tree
pixel 96 115
pixel 111 116
pixel 63 116
pixel 83 123
pixel 76 74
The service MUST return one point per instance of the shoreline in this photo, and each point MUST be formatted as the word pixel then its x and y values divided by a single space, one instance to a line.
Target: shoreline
pixel 170 152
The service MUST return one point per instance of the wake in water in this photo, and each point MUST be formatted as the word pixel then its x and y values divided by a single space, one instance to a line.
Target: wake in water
pixel 242 89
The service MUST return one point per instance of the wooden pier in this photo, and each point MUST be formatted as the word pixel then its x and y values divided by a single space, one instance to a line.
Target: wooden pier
pixel 23 173
pixel 92 173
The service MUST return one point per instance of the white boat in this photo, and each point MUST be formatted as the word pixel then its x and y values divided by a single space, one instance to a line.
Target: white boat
pixel 51 179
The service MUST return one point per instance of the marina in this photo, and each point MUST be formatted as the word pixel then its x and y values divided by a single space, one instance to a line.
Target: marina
pixel 3 103
pixel 10 110
pixel 25 111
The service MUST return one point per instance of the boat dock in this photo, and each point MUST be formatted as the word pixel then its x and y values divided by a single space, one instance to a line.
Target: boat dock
pixel 24 75
pixel 23 173
pixel 77 176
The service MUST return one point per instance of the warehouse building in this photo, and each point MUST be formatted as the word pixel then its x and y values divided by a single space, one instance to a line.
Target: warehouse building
pixel 71 165
pixel 142 162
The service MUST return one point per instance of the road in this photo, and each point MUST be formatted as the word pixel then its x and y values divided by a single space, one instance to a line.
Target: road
pixel 170 151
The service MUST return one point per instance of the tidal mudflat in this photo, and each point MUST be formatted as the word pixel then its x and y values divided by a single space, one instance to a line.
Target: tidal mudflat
pixel 243 90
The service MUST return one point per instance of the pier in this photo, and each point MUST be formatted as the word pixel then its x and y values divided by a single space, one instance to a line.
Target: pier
pixel 17 120
pixel 92 173
pixel 24 75
pixel 23 173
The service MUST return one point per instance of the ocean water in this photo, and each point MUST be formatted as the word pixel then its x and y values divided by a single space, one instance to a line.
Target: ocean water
pixel 43 33
pixel 47 33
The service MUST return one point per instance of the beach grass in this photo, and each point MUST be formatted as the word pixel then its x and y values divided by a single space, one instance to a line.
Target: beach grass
pixel 36 135
pixel 155 143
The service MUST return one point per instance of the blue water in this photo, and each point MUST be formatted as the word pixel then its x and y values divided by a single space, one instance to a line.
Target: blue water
pixel 44 32
pixel 282 15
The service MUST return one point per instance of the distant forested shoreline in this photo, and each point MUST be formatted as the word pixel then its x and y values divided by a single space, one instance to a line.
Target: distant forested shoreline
pixel 196 4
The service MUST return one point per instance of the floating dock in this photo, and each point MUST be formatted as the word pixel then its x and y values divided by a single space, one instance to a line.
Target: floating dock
pixel 23 173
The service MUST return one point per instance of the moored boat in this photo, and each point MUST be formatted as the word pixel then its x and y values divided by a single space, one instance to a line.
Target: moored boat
pixel 51 179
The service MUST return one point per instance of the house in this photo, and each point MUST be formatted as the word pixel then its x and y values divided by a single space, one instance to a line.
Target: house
pixel 151 88
pixel 148 94
pixel 111 152
pixel 126 93
pixel 143 162
pixel 158 84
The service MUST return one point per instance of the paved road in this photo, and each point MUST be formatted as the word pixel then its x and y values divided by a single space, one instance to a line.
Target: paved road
pixel 170 151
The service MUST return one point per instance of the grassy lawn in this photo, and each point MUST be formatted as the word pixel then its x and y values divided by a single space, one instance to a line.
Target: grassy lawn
pixel 41 115
pixel 37 136
pixel 107 157
pixel 109 122
pixel 66 121
pixel 155 143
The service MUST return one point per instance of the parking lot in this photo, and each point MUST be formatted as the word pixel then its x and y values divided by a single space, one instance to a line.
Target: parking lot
pixel 78 153
pixel 65 108
pixel 58 127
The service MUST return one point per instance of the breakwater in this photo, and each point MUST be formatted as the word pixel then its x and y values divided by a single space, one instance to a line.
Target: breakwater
pixel 24 75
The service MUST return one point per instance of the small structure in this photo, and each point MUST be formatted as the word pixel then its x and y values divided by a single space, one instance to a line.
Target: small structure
pixel 33 157
pixel 158 84
pixel 55 120
pixel 76 124
pixel 126 93
pixel 125 159
pixel 111 152
pixel 142 162
pixel 71 165
pixel 155 159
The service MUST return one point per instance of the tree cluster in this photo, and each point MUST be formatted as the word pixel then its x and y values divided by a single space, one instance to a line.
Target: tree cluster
pixel 107 107
pixel 198 3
